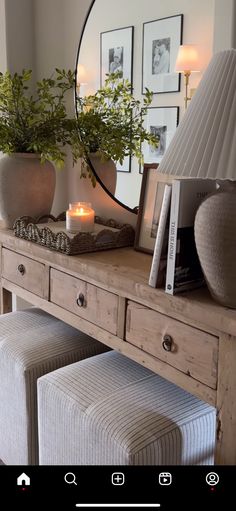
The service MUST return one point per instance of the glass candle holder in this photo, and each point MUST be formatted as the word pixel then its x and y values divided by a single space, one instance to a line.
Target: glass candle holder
pixel 80 217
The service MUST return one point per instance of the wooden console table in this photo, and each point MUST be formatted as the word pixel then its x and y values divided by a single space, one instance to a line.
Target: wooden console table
pixel 188 339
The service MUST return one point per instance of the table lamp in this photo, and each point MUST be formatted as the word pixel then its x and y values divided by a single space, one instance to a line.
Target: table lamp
pixel 187 62
pixel 204 145
pixel 81 78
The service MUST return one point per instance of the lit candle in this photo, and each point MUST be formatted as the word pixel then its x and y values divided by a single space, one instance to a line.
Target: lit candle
pixel 80 217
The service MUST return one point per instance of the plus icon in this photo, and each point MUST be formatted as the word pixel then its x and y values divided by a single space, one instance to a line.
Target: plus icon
pixel 118 478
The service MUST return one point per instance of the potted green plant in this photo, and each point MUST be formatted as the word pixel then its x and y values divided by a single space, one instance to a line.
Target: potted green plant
pixel 34 130
pixel 111 124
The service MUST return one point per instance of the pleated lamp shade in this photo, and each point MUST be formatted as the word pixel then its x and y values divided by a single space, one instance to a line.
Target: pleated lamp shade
pixel 204 145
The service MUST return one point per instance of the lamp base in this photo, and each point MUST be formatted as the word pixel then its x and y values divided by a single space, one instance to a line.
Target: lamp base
pixel 215 237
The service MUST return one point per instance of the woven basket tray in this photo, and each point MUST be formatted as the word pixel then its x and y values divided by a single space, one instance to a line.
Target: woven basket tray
pixel 50 232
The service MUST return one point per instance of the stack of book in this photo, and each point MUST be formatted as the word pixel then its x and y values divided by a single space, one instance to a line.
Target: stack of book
pixel 175 261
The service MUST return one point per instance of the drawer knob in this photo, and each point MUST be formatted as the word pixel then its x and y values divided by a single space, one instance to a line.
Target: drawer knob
pixel 167 342
pixel 21 269
pixel 80 300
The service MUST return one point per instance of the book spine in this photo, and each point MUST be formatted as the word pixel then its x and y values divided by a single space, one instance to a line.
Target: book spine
pixel 160 236
pixel 172 243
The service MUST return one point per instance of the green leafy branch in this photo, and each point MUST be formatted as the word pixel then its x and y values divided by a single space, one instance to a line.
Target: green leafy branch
pixel 111 121
pixel 37 123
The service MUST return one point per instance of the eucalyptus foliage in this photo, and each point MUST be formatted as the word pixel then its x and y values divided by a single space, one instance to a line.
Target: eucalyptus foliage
pixel 111 121
pixel 37 123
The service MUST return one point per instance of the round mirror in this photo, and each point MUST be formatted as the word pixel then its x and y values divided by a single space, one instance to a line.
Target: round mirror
pixel 115 37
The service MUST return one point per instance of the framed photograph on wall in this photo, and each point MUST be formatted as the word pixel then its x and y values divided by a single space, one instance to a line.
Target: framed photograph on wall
pixel 126 166
pixel 161 41
pixel 162 122
pixel 116 53
pixel 152 191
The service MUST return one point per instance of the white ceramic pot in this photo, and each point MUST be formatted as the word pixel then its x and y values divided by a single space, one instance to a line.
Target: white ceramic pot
pixel 106 171
pixel 215 236
pixel 26 187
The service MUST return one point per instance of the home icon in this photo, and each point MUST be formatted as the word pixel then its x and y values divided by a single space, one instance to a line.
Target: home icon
pixel 23 480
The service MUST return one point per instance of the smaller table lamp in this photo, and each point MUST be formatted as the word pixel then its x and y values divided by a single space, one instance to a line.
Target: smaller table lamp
pixel 186 63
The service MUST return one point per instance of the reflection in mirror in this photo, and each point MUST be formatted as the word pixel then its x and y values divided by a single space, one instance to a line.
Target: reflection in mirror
pixel 107 44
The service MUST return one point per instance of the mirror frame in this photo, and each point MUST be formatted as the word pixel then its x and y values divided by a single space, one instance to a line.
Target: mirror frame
pixel 131 210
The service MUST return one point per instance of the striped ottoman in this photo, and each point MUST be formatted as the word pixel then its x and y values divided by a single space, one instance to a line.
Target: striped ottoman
pixel 32 343
pixel 109 410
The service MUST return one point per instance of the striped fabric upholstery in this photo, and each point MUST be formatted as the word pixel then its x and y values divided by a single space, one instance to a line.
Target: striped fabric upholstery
pixel 108 410
pixel 32 343
pixel 19 321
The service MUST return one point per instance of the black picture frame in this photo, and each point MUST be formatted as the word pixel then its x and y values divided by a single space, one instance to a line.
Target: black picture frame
pixel 161 41
pixel 161 121
pixel 116 53
pixel 152 191
pixel 126 166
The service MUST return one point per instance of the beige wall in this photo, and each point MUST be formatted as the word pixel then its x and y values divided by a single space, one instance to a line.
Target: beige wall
pixel 224 25
pixel 3 46
pixel 43 34
pixel 20 34
pixel 198 28
pixel 58 26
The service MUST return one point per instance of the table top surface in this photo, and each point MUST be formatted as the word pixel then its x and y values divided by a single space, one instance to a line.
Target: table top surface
pixel 126 272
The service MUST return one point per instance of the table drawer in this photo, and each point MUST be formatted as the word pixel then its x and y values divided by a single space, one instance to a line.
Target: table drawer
pixel 25 272
pixel 85 300
pixel 186 348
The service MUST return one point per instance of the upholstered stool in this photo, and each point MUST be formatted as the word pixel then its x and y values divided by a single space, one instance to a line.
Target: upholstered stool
pixel 108 410
pixel 32 343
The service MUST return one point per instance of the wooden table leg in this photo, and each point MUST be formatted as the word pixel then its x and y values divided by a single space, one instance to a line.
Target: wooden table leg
pixel 6 301
pixel 226 402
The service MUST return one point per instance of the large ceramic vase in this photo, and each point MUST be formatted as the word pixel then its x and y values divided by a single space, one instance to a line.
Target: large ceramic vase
pixel 215 236
pixel 105 170
pixel 26 187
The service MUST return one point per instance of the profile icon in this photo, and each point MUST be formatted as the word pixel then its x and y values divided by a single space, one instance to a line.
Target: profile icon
pixel 212 478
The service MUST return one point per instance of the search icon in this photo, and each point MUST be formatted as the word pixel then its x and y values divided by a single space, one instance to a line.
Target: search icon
pixel 70 478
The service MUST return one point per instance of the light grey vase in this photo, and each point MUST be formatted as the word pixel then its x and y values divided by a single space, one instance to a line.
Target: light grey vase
pixel 27 187
pixel 215 236
pixel 106 171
